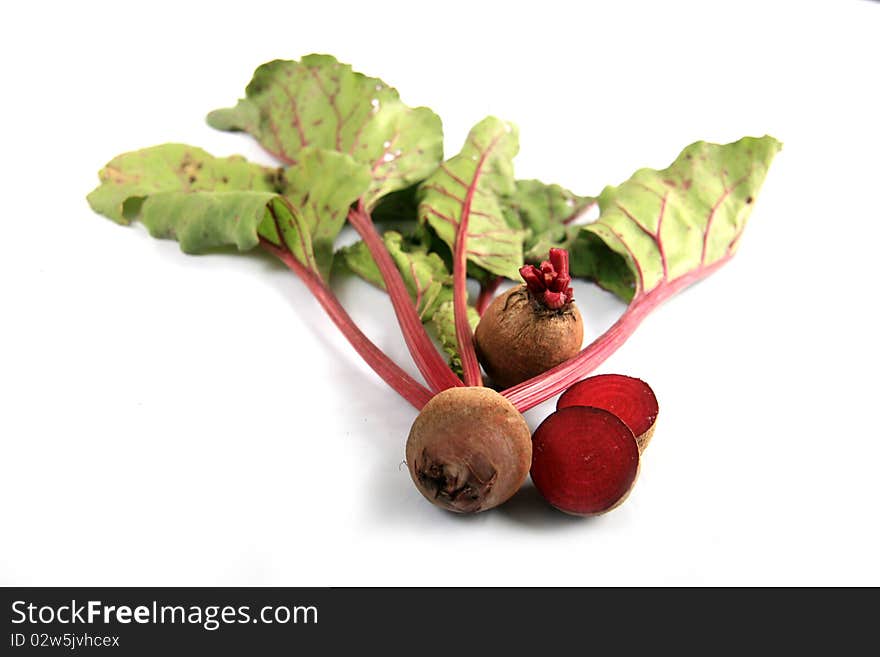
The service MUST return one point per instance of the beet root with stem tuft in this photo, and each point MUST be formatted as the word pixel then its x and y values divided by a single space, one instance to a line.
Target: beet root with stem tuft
pixel 533 327
pixel 630 399
pixel 469 450
pixel 585 460
pixel 518 337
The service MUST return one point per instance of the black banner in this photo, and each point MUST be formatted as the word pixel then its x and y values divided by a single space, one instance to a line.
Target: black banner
pixel 270 621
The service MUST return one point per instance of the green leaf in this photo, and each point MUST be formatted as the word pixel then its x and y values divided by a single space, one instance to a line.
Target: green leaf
pixel 590 257
pixel 443 323
pixel 427 279
pixel 471 187
pixel 358 260
pixel 320 102
pixel 318 192
pixel 184 193
pixel 425 274
pixel 204 221
pixel 666 224
pixel 400 207
pixel 543 212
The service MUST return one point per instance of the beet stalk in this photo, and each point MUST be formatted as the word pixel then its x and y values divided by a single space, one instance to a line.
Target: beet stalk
pixel 671 228
pixel 487 293
pixel 407 387
pixel 429 361
pixel 537 389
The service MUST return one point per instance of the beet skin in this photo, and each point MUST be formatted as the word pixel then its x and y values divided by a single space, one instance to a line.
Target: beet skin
pixel 518 337
pixel 469 449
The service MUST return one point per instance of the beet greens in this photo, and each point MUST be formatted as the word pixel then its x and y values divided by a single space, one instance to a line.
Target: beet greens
pixel 352 151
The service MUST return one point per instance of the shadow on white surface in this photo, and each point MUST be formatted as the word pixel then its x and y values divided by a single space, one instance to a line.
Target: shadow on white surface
pixel 529 509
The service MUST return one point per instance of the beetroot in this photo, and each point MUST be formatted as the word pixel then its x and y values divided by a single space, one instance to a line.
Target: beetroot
pixel 348 148
pixel 533 327
pixel 585 460
pixel 630 399
pixel 468 450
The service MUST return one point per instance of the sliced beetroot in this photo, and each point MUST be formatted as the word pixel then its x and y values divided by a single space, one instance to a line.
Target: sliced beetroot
pixel 585 460
pixel 630 399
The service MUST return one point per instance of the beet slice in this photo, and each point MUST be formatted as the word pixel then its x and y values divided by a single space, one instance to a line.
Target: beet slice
pixel 630 399
pixel 585 460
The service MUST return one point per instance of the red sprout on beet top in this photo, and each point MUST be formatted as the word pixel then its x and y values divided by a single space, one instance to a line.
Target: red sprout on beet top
pixel 551 282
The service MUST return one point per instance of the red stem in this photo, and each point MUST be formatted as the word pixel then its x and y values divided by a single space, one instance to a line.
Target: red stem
pixel 529 394
pixel 464 335
pixel 470 367
pixel 408 388
pixel 429 361
pixel 487 292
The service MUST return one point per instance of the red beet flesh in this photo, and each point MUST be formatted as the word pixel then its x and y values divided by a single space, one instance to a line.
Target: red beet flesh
pixel 630 399
pixel 584 460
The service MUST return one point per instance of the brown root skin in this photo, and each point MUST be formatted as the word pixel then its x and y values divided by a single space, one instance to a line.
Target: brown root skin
pixel 645 438
pixel 469 450
pixel 518 337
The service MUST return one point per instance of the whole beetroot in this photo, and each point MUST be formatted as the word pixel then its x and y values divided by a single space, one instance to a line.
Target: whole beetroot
pixel 469 449
pixel 533 327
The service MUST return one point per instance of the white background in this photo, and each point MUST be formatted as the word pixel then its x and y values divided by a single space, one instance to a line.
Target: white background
pixel 167 419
